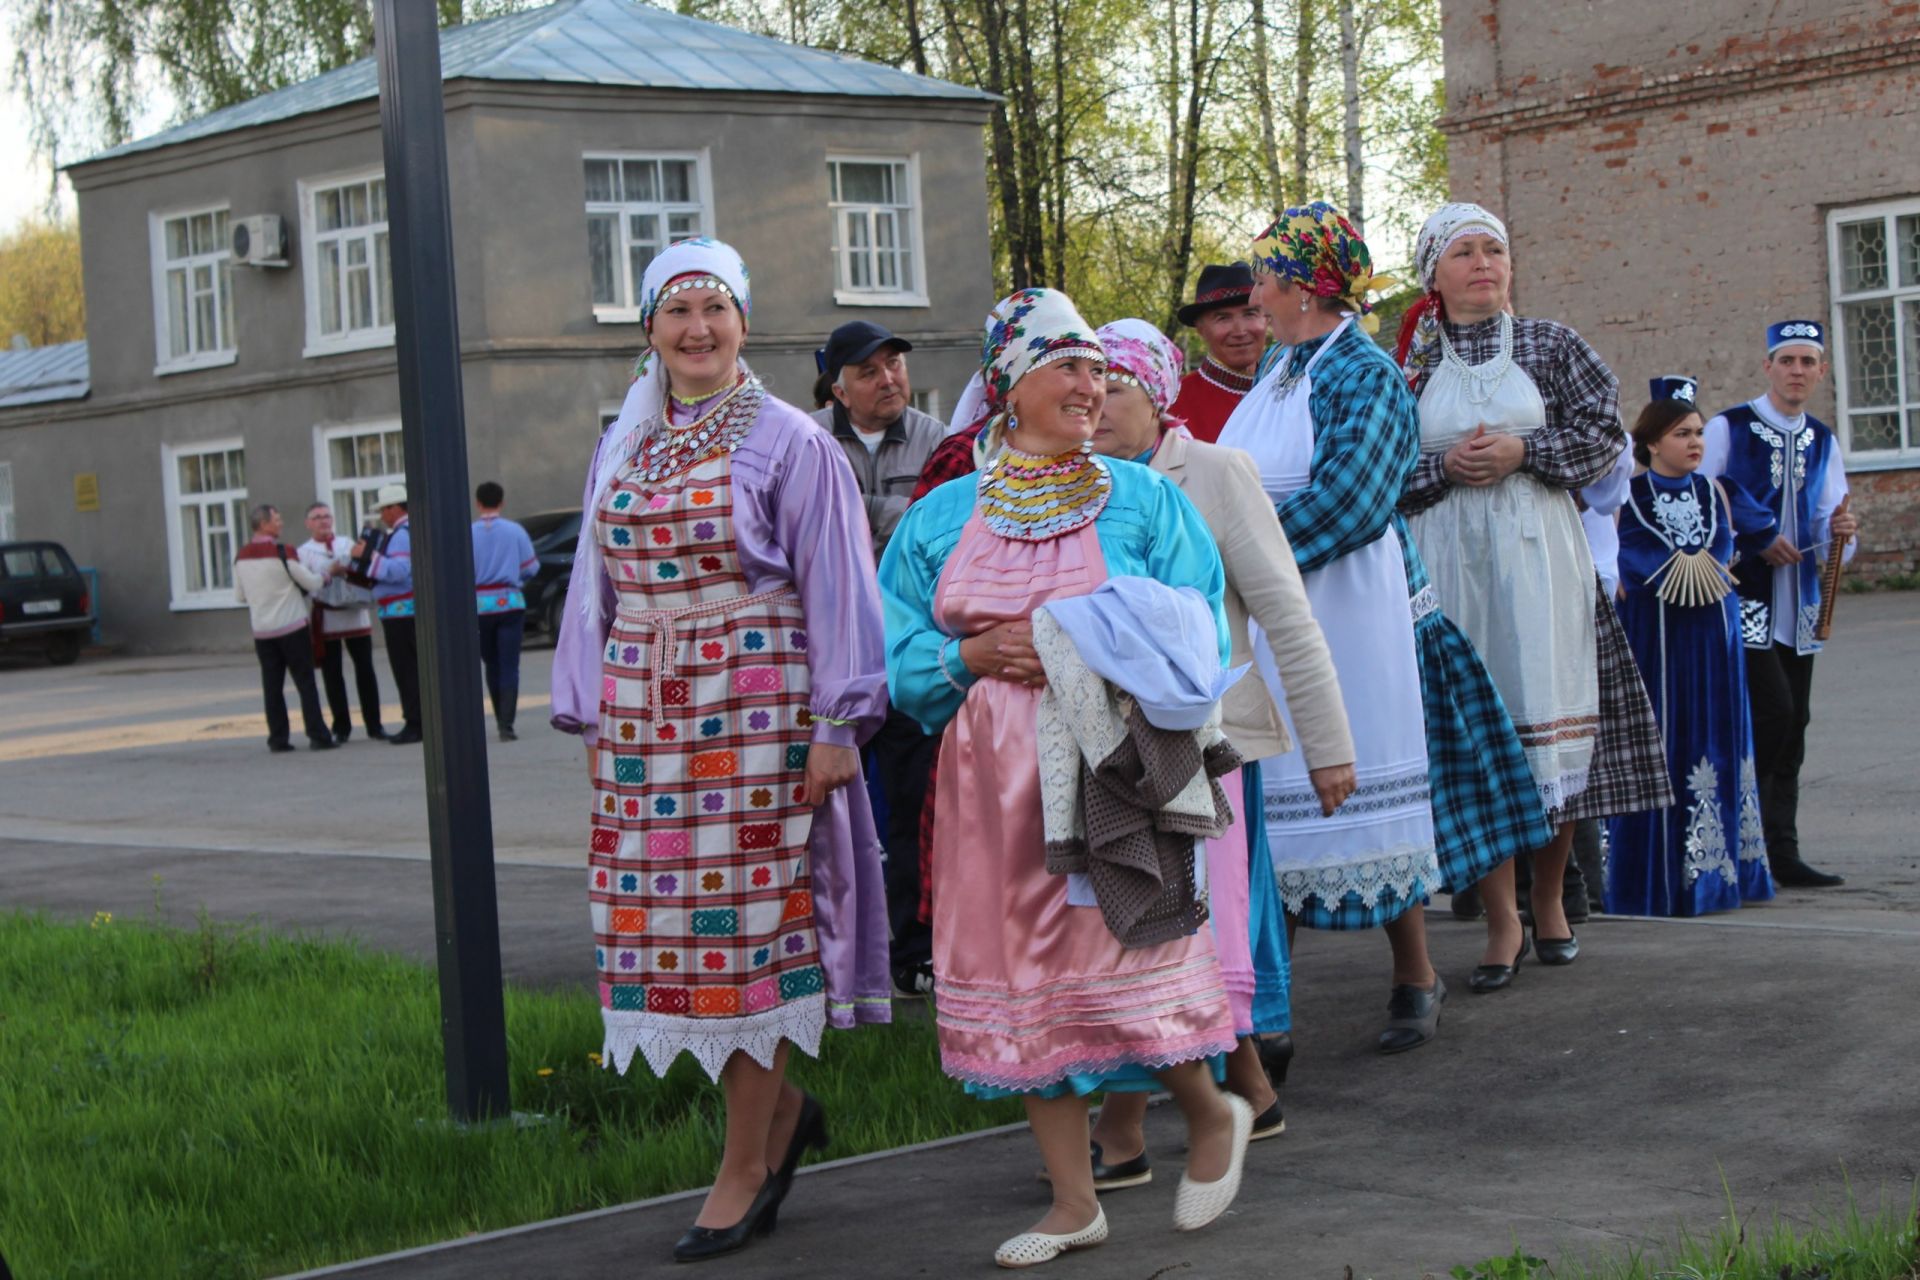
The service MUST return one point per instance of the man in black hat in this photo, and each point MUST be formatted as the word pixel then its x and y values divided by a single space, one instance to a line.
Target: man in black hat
pixel 1235 332
pixel 887 440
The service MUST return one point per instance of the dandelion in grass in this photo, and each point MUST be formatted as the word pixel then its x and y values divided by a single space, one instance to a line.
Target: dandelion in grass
pixel 594 1058
pixel 544 1071
pixel 100 918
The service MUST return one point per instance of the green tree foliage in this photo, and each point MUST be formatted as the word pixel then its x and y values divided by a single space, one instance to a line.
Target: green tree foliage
pixel 40 293
pixel 1131 141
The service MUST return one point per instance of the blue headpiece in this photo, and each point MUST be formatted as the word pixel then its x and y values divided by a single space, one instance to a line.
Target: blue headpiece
pixel 1675 386
pixel 1810 333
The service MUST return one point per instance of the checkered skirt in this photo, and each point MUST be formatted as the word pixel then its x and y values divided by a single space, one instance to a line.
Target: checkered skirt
pixel 699 880
pixel 1486 806
pixel 1629 773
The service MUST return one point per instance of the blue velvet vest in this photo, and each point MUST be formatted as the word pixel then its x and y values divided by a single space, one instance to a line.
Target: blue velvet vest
pixel 1780 471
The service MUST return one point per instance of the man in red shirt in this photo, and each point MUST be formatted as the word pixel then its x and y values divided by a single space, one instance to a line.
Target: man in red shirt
pixel 1235 332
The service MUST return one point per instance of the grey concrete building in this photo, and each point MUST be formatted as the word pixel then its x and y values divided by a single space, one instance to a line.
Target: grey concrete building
pixel 582 137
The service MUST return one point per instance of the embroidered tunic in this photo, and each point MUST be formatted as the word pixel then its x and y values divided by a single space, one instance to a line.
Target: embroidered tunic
pixel 1208 396
pixel 736 623
pixel 1707 852
pixel 1033 994
pixel 1790 471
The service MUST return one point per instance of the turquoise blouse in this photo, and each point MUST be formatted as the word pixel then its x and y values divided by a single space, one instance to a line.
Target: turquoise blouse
pixel 1148 529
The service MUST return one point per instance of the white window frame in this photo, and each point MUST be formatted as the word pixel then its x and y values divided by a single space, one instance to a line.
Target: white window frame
pixel 7 521
pixel 844 294
pixel 928 402
pixel 1907 378
pixel 226 348
pixel 629 311
pixel 609 411
pixel 326 483
pixel 180 598
pixel 325 344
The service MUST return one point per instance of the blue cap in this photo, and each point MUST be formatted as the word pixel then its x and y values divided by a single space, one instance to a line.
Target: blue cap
pixel 1675 386
pixel 1787 333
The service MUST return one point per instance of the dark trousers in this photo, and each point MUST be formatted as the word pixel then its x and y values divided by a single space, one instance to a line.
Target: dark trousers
pixel 291 654
pixel 404 658
pixel 500 635
pixel 1780 695
pixel 333 676
pixel 903 755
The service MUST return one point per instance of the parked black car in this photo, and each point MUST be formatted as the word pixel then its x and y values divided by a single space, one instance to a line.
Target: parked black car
pixel 555 534
pixel 44 602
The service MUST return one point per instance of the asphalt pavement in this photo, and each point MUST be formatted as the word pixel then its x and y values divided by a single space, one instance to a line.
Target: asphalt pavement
pixel 1763 1059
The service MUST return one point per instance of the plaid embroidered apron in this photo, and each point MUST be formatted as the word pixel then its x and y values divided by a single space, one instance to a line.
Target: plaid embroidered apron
pixel 699 878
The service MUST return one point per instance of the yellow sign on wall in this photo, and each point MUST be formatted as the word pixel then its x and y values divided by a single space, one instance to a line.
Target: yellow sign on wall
pixel 86 491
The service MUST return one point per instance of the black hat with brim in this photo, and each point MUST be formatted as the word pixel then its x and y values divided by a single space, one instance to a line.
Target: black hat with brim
pixel 1230 285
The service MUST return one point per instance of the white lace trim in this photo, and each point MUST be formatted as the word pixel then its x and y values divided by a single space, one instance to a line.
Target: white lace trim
pixel 1556 792
pixel 1400 869
pixel 1423 602
pixel 661 1037
pixel 1706 832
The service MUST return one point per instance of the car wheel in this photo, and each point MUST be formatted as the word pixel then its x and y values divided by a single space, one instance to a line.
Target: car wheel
pixel 556 612
pixel 63 648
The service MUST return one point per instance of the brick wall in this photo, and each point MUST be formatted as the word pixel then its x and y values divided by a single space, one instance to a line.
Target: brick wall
pixel 1671 200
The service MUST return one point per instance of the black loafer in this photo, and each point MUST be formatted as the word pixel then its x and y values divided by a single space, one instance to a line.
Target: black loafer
pixel 1276 1054
pixel 1556 951
pixel 1496 977
pixel 1791 873
pixel 1413 1016
pixel 701 1243
pixel 1136 1172
pixel 1270 1123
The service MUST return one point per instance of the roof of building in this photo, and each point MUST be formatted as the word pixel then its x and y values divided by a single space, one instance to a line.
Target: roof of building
pixel 620 43
pixel 39 374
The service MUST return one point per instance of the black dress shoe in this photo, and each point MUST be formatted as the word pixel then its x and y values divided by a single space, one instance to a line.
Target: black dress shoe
pixel 1413 1016
pixel 1276 1054
pixel 1466 904
pixel 701 1243
pixel 280 748
pixel 1270 1123
pixel 321 744
pixel 1136 1172
pixel 1791 873
pixel 507 734
pixel 342 732
pixel 376 732
pixel 1556 951
pixel 1494 977
pixel 404 738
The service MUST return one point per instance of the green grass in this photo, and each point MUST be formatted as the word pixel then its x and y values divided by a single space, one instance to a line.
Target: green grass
pixel 1844 1245
pixel 216 1103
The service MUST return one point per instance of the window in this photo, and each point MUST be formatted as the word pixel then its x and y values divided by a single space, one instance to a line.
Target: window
pixel 1874 254
pixel 348 265
pixel 353 463
pixel 637 206
pixel 192 290
pixel 6 503
pixel 206 491
pixel 876 230
pixel 927 402
pixel 609 412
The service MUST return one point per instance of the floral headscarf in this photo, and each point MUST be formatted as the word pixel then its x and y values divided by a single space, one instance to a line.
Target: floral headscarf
pixel 1448 223
pixel 1315 247
pixel 1029 328
pixel 1145 356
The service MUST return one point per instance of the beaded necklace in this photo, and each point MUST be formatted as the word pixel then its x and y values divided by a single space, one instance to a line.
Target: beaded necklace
pixel 1031 498
pixel 1481 380
pixel 671 449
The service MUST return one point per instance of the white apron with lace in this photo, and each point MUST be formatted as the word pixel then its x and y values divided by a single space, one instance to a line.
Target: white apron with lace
pixel 1382 837
pixel 1512 568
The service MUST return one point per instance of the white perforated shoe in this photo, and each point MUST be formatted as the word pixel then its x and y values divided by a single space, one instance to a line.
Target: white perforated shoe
pixel 1031 1248
pixel 1198 1203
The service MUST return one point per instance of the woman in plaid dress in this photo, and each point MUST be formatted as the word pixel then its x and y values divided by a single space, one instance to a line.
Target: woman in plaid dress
pixel 723 656
pixel 1516 415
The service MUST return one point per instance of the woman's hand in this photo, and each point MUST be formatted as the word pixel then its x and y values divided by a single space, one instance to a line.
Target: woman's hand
pixel 1333 784
pixel 1485 458
pixel 1005 652
pixel 829 767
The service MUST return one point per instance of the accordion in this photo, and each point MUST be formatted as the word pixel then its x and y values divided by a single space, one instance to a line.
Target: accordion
pixel 360 569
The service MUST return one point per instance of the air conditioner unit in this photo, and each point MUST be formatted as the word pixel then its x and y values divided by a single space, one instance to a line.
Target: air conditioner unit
pixel 260 240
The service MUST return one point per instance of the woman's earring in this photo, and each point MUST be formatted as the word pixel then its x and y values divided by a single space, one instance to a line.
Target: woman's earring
pixel 1306 300
pixel 1013 423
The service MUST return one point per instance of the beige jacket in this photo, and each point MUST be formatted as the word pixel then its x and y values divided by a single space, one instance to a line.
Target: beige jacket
pixel 1262 580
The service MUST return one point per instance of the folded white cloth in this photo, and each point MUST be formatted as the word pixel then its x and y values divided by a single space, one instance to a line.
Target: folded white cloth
pixel 1158 643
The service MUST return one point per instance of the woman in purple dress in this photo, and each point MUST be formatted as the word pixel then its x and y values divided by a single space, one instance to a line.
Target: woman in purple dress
pixel 723 657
